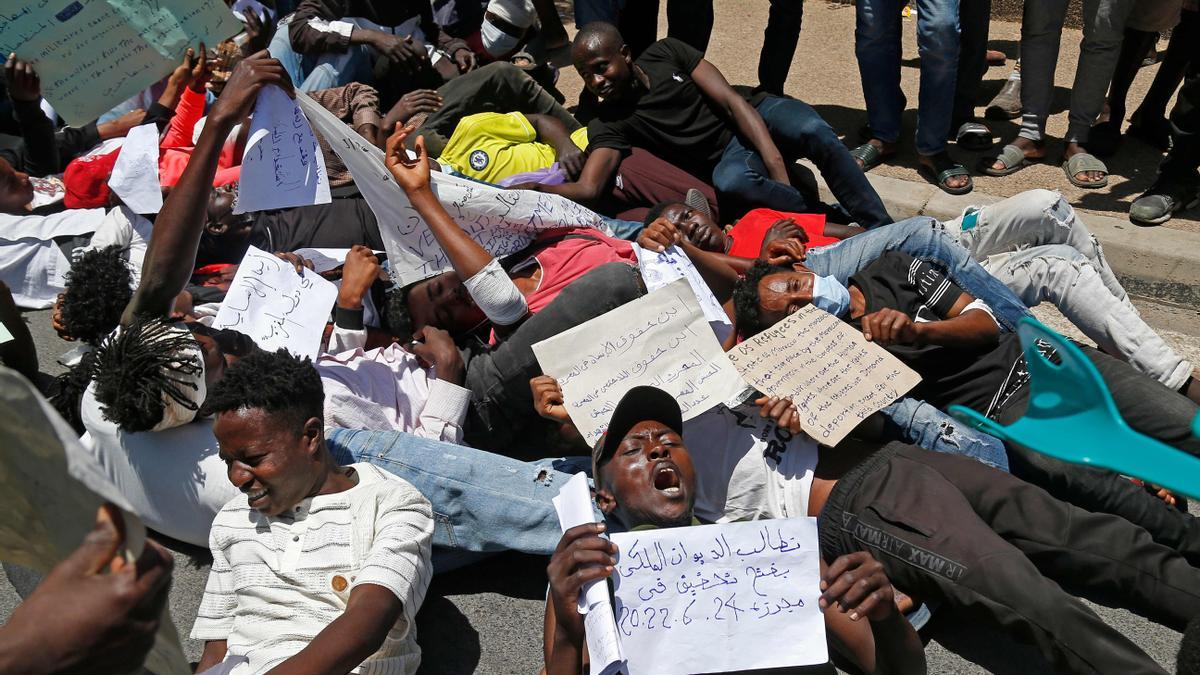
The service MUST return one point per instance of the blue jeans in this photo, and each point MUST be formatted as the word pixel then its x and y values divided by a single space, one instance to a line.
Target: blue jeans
pixel 483 503
pixel 798 131
pixel 323 71
pixel 624 229
pixel 922 237
pixel 877 46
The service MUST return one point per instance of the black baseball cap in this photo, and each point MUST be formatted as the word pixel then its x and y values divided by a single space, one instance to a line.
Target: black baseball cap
pixel 636 406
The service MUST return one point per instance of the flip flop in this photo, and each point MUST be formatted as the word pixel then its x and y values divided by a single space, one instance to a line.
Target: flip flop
pixel 870 156
pixel 1011 156
pixel 955 169
pixel 974 136
pixel 1085 162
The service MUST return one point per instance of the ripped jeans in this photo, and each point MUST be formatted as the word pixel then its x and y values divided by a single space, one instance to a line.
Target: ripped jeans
pixel 1037 246
pixel 483 503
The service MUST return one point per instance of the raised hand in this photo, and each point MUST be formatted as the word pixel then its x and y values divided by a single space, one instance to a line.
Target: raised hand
pixel 23 81
pixel 411 174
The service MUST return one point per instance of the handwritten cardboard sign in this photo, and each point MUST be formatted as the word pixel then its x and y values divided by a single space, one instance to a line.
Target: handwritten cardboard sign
pixel 271 303
pixel 716 598
pixel 661 339
pixel 502 221
pixel 94 54
pixel 282 166
pixel 835 377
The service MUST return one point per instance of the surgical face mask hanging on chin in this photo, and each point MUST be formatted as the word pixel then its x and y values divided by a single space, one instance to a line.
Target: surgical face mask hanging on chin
pixel 495 41
pixel 830 295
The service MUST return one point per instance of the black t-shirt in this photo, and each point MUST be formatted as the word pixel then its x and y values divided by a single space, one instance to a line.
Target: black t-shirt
pixel 673 119
pixel 976 378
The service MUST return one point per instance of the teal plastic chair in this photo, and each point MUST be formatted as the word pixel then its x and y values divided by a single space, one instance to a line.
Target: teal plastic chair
pixel 1072 417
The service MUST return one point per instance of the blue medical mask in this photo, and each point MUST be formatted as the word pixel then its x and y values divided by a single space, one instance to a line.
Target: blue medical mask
pixel 830 295
pixel 495 41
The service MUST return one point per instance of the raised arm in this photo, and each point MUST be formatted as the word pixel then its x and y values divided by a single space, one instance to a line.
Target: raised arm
pixel 466 255
pixel 749 123
pixel 37 130
pixel 171 254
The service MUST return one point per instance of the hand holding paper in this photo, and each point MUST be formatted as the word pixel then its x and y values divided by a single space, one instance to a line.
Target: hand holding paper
pixel 271 303
pixel 661 340
pixel 832 375
pixel 283 165
pixel 581 562
pixel 135 175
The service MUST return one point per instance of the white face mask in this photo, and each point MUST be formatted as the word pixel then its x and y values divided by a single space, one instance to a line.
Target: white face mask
pixel 495 41
pixel 830 295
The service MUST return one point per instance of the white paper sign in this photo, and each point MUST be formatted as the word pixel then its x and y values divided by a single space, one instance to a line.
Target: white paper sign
pixel 574 506
pixel 661 340
pixel 835 377
pixel 135 174
pixel 282 166
pixel 277 307
pixel 660 269
pixel 502 221
pixel 716 598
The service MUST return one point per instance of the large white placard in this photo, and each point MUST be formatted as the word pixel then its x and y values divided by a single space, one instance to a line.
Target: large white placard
pixel 661 339
pixel 717 598
pixel 283 165
pixel 660 269
pixel 502 221
pixel 271 303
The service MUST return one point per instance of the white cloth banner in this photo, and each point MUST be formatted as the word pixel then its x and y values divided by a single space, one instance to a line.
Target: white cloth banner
pixel 503 221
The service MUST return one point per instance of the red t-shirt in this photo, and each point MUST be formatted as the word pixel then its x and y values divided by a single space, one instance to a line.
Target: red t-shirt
pixel 749 232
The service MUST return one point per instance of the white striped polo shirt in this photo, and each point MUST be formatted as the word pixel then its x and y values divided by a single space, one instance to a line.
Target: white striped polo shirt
pixel 278 582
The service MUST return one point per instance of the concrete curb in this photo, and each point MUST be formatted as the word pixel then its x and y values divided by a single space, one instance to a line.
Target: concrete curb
pixel 1154 262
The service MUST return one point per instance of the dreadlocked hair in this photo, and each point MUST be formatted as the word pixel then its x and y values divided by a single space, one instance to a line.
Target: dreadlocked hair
pixel 274 382
pixel 67 390
pixel 137 367
pixel 99 286
pixel 657 210
pixel 745 297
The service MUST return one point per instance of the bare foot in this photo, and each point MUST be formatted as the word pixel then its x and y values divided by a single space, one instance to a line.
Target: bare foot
pixel 1083 176
pixel 1032 150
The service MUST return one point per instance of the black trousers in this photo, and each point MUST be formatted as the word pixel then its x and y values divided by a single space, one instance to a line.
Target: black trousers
pixel 497 87
pixel 1148 407
pixel 1181 163
pixel 997 550
pixel 499 377
pixel 779 44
